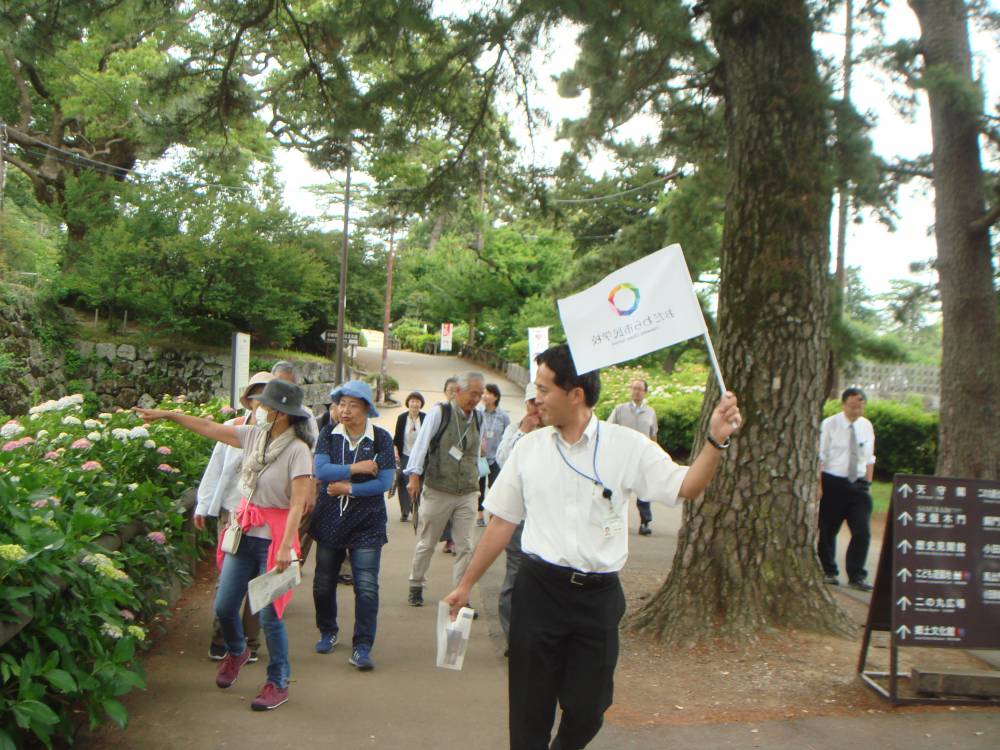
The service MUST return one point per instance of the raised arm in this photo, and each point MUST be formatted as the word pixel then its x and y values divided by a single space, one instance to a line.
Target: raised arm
pixel 223 433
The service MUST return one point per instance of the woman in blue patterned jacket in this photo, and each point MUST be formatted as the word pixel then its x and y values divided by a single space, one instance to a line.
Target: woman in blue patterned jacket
pixel 356 460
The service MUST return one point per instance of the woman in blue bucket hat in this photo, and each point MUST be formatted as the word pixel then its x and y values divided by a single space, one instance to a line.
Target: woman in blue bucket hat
pixel 356 461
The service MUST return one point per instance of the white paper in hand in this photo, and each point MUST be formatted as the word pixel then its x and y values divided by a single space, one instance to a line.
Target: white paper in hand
pixel 452 637
pixel 264 589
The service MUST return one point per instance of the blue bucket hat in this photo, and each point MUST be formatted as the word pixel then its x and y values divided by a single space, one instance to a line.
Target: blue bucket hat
pixel 356 389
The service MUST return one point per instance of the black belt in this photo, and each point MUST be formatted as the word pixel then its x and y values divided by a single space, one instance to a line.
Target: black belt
pixel 570 576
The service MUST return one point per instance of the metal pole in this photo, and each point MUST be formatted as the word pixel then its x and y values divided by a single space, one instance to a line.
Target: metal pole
pixel 388 307
pixel 342 295
pixel 3 162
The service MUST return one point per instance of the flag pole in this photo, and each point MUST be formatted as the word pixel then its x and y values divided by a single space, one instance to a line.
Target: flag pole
pixel 715 362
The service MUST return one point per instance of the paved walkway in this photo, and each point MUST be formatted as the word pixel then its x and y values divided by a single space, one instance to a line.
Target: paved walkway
pixel 408 703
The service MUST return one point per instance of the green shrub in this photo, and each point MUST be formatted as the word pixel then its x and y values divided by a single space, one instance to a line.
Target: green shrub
pixel 906 437
pixel 517 352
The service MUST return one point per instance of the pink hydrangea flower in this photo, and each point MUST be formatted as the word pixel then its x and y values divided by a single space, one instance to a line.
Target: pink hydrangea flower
pixel 91 466
pixel 164 450
pixel 81 444
pixel 52 455
pixel 157 536
pixel 127 614
pixel 40 503
pixel 13 445
pixel 167 468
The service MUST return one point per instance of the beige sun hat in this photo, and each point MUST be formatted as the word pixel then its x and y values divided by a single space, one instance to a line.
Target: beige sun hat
pixel 259 378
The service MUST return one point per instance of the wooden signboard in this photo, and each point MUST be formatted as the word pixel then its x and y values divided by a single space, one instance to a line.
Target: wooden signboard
pixel 938 579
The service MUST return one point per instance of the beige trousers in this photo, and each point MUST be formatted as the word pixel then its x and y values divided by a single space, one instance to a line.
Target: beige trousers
pixel 436 509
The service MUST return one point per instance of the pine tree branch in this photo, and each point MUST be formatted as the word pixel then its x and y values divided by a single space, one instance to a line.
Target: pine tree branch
pixel 988 219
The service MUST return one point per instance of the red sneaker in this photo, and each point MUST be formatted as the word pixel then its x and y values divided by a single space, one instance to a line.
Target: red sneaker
pixel 229 669
pixel 270 696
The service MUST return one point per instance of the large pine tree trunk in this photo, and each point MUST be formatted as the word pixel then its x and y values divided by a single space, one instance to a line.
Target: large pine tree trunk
pixel 745 559
pixel 969 386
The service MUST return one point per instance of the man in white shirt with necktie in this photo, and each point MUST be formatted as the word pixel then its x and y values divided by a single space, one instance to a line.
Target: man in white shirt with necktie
pixel 846 464
pixel 572 483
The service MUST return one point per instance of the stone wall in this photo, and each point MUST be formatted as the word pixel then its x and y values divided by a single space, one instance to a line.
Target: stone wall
pixel 120 374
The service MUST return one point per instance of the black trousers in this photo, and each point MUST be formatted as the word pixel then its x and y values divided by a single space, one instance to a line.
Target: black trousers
pixel 563 647
pixel 645 511
pixel 845 501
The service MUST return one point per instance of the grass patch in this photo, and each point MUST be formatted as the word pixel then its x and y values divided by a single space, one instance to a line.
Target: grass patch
pixel 881 493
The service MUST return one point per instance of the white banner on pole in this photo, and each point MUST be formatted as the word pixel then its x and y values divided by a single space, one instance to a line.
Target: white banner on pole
pixel 446 330
pixel 538 342
pixel 240 361
pixel 638 309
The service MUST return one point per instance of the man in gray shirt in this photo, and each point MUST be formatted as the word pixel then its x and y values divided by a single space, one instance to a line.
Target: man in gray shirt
pixel 639 416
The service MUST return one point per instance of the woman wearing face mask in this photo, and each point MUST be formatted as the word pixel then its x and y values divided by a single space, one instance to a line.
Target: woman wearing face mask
pixel 276 479
pixel 219 495
pixel 356 459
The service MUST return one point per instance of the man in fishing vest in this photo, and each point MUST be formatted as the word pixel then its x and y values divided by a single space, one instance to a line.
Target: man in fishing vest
pixel 445 460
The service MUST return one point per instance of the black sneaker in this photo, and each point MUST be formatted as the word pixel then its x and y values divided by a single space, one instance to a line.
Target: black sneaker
pixel 416 597
pixel 253 656
pixel 831 579
pixel 217 652
pixel 644 529
pixel 861 586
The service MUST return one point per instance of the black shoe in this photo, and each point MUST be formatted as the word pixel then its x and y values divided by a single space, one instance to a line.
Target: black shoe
pixel 217 652
pixel 346 578
pixel 253 656
pixel 644 529
pixel 831 579
pixel 404 518
pixel 416 597
pixel 861 586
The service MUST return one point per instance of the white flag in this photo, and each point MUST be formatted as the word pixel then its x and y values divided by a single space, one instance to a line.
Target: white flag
pixel 638 309
pixel 538 342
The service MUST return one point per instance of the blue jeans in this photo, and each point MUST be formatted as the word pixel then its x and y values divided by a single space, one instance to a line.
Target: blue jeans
pixel 365 563
pixel 249 562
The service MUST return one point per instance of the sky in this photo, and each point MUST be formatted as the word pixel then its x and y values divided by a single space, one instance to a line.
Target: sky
pixel 882 255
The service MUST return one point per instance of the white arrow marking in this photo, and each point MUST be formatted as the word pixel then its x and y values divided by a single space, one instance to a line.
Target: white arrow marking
pixel 903 602
pixel 902 631
pixel 904 518
pixel 905 546
pixel 905 574
pixel 905 490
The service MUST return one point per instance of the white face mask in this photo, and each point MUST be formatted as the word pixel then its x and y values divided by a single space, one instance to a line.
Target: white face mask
pixel 261 414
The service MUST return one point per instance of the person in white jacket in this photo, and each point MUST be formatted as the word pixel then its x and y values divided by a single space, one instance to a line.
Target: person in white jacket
pixel 218 497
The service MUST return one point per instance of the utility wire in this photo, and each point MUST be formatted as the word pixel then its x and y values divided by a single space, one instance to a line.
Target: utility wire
pixel 103 167
pixel 596 199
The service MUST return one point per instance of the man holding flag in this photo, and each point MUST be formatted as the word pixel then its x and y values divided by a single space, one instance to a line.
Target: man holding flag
pixel 572 483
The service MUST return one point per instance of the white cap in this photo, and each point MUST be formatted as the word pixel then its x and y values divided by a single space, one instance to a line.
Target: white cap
pixel 530 391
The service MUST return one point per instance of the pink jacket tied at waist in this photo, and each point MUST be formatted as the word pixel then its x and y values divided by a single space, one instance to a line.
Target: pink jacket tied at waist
pixel 275 519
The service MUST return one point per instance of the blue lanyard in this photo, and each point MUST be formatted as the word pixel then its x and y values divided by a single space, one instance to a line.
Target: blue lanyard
pixel 596 479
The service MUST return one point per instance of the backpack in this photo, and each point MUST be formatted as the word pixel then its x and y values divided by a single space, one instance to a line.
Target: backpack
pixel 445 419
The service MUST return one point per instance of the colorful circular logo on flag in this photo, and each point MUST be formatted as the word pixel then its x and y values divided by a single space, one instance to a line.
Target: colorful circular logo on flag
pixel 624 299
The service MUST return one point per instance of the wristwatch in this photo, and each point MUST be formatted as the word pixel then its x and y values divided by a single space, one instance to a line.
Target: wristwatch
pixel 716 444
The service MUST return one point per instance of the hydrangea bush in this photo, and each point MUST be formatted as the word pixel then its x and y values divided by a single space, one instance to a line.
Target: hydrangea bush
pixel 66 479
pixel 676 398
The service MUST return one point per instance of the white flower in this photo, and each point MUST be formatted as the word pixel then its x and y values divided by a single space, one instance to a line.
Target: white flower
pixel 120 433
pixel 11 429
pixel 90 424
pixel 138 432
pixel 104 415
pixel 34 417
pixel 94 437
pixel 61 435
pixel 112 631
pixel 71 420
pixel 132 486
pixel 149 444
pixel 41 433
